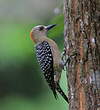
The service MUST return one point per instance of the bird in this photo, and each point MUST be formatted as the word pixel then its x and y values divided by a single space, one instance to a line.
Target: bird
pixel 49 58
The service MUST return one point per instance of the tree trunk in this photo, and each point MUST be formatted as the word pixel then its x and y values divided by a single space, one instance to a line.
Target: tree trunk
pixel 82 46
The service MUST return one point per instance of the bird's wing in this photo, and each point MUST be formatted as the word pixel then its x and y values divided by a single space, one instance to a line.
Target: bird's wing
pixel 45 59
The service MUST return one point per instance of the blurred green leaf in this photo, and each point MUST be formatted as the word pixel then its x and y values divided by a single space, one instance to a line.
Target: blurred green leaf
pixel 58 30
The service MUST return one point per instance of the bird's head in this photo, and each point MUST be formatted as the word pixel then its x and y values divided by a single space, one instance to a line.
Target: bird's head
pixel 40 31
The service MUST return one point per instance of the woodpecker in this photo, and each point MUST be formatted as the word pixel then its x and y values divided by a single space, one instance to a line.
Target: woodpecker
pixel 49 58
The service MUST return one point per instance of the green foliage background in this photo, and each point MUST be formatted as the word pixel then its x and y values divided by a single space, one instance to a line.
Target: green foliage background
pixel 22 85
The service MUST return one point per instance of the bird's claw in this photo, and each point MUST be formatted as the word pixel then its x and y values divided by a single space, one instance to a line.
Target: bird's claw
pixel 66 59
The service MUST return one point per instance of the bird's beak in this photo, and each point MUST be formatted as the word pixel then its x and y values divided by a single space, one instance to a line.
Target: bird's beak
pixel 50 26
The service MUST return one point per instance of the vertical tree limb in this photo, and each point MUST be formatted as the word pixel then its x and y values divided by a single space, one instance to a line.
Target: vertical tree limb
pixel 82 36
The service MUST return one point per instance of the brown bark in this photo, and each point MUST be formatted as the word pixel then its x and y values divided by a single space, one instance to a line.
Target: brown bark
pixel 82 38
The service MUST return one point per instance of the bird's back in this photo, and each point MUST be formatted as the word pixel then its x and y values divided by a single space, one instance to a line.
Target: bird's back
pixel 55 52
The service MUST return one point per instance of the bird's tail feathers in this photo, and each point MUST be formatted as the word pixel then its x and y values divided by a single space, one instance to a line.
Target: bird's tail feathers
pixel 62 93
pixel 55 94
pixel 52 86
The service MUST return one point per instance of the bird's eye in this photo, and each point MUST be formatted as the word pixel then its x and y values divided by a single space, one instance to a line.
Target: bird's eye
pixel 41 28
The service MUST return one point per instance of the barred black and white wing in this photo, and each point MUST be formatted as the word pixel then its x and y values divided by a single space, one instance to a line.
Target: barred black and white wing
pixel 45 59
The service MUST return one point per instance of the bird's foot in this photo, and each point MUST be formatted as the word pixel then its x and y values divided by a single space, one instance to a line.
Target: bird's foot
pixel 65 59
